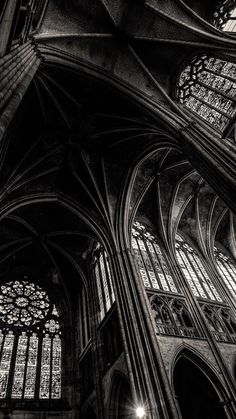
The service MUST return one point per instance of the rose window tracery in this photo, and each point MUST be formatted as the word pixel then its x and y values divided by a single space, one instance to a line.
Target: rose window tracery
pixel 30 343
pixel 23 303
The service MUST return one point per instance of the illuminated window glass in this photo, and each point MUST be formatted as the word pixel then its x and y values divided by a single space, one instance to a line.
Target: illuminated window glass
pixel 151 262
pixel 105 290
pixel 194 271
pixel 225 16
pixel 30 343
pixel 207 86
pixel 84 330
pixel 227 269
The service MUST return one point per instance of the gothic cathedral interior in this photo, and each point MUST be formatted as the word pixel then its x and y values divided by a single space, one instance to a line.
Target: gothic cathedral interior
pixel 117 209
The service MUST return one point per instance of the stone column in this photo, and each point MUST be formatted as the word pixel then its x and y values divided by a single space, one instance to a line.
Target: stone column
pixel 17 70
pixel 148 378
pixel 7 13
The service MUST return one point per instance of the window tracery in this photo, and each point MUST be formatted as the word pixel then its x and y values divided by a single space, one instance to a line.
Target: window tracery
pixel 207 86
pixel 172 317
pixel 30 343
pixel 220 322
pixel 194 271
pixel 152 264
pixel 105 290
pixel 227 269
pixel 225 16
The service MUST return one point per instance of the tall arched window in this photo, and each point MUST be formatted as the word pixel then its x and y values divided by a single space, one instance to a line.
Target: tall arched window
pixel 152 264
pixel 194 271
pixel 227 269
pixel 30 343
pixel 105 290
pixel 225 15
pixel 207 86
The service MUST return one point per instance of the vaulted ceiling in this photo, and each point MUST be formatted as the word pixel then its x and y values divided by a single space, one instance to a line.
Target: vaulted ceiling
pixel 83 155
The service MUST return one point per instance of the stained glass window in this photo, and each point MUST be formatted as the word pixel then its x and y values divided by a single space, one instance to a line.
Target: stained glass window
pixel 207 86
pixel 225 15
pixel 194 271
pixel 227 269
pixel 152 264
pixel 30 343
pixel 105 290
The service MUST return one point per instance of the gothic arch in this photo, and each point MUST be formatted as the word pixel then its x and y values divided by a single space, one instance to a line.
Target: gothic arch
pixel 120 398
pixel 201 369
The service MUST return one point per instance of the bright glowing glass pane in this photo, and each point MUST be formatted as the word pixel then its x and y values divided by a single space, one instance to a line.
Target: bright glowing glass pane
pixel 203 86
pixel 31 367
pixel 56 368
pixel 196 275
pixel 105 284
pixel 18 381
pixel 44 391
pixel 5 363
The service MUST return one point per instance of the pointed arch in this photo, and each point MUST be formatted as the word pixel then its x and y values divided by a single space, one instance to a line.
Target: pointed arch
pixel 202 388
pixel 120 401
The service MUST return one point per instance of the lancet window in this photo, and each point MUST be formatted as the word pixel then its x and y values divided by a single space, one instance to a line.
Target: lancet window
pixel 194 271
pixel 207 86
pixel 105 290
pixel 172 317
pixel 152 265
pixel 30 343
pixel 227 269
pixel 225 16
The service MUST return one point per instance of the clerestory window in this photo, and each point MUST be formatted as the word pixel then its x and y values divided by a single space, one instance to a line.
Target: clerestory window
pixel 207 86
pixel 194 271
pixel 30 343
pixel 227 269
pixel 152 265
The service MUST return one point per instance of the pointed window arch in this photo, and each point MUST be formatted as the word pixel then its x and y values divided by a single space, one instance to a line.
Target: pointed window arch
pixel 30 343
pixel 227 269
pixel 225 15
pixel 194 271
pixel 152 264
pixel 172 317
pixel 207 86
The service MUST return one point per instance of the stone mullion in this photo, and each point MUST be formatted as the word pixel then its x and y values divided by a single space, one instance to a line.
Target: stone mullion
pixel 96 342
pixel 219 92
pixel 147 374
pixel 219 110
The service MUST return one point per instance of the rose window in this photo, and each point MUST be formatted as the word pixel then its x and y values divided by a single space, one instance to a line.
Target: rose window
pixel 30 343
pixel 23 303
